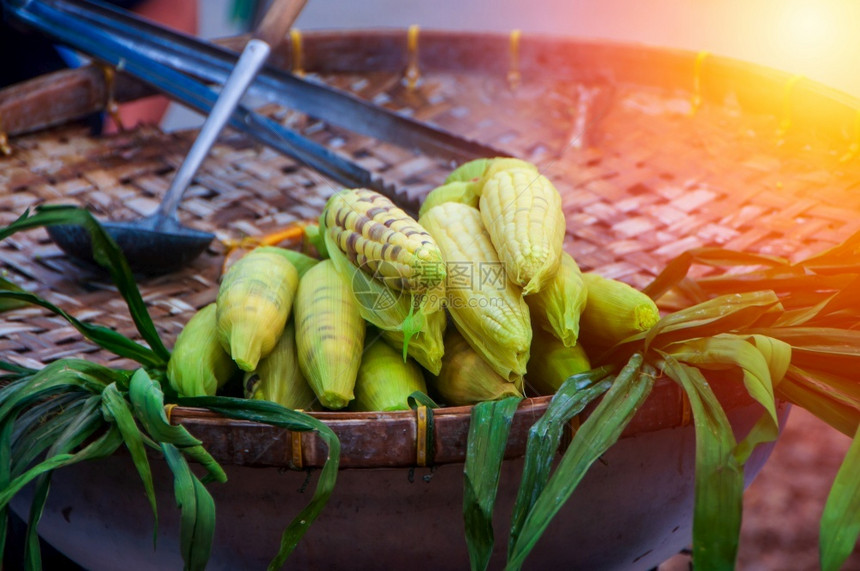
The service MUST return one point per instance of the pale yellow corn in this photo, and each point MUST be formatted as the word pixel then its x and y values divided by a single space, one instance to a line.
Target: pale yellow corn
pixel 254 301
pixel 557 307
pixel 486 307
pixel 385 380
pixel 551 363
pixel 383 240
pixel 278 377
pixel 466 378
pixel 198 365
pixel 521 210
pixel 329 334
pixel 615 310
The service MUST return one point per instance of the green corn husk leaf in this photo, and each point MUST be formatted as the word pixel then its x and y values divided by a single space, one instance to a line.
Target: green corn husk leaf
pixel 601 430
pixel 803 389
pixel 557 307
pixel 719 477
pixel 464 192
pixel 840 522
pixel 427 346
pixel 614 311
pixel 302 262
pixel 385 381
pixel 545 436
pixel 197 508
pixel 551 363
pixel 107 254
pixel 199 365
pixel 39 426
pixel 9 304
pixel 278 377
pixel 271 413
pixel 470 171
pixel 485 450
pixel 316 238
pixel 147 401
pixel 466 378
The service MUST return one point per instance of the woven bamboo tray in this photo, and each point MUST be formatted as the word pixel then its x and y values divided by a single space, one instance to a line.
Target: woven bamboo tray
pixel 654 151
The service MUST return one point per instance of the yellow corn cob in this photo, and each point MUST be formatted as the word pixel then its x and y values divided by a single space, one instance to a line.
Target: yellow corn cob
pixel 487 308
pixel 278 377
pixel 329 334
pixel 254 301
pixel 501 164
pixel 198 365
pixel 385 380
pixel 377 236
pixel 302 262
pixel 466 378
pixel 427 346
pixel 521 210
pixel 551 363
pixel 462 192
pixel 614 311
pixel 556 308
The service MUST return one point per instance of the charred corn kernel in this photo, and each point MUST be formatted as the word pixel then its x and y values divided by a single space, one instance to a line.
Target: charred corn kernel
pixel 557 307
pixel 521 210
pixel 462 192
pixel 427 346
pixel 254 301
pixel 385 380
pixel 278 377
pixel 198 365
pixel 329 334
pixel 377 236
pixel 471 171
pixel 466 378
pixel 614 311
pixel 486 307
pixel 551 363
pixel 301 262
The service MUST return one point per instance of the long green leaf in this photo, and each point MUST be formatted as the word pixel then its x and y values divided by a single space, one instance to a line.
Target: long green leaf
pixel 840 522
pixel 277 415
pixel 197 509
pixel 600 431
pixel 485 450
pixel 9 304
pixel 106 253
pixel 545 436
pixel 104 337
pixel 6 428
pixel 719 478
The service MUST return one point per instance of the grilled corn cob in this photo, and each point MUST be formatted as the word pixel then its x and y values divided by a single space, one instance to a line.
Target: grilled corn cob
pixel 551 363
pixel 254 301
pixel 521 210
pixel 377 236
pixel 198 365
pixel 385 380
pixel 556 308
pixel 466 378
pixel 278 377
pixel 487 308
pixel 329 334
pixel 614 311
pixel 463 192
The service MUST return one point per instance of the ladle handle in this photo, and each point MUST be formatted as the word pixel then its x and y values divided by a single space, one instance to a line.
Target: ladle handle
pixel 271 29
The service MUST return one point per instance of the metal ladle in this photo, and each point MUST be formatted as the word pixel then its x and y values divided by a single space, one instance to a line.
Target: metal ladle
pixel 158 242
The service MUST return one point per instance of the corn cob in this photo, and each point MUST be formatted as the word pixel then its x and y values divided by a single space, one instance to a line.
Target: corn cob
pixel 377 236
pixel 301 262
pixel 551 363
pixel 385 380
pixel 278 377
pixel 427 346
pixel 614 311
pixel 487 308
pixel 198 365
pixel 556 308
pixel 254 301
pixel 462 192
pixel 521 210
pixel 466 378
pixel 329 334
